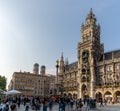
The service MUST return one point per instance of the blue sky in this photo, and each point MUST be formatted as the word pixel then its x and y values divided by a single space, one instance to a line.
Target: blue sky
pixel 38 31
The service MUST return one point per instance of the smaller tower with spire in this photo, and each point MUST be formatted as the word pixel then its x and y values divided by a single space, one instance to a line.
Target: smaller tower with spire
pixel 61 64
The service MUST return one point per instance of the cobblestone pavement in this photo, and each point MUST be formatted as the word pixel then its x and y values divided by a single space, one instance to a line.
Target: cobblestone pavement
pixel 115 107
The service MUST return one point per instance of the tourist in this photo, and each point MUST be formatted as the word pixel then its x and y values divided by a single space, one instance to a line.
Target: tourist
pixel 88 103
pixel 63 104
pixel 60 104
pixel 68 103
pixel 6 107
pixel 37 105
pixel 13 107
pixel 33 103
pixel 80 104
pixel 113 101
pixel 71 103
pixel 18 101
pixel 105 102
pixel 45 104
pixel 101 102
pixel 50 104
pixel 27 102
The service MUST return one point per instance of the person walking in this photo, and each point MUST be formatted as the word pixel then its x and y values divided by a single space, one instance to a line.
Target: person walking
pixel 45 104
pixel 27 104
pixel 50 104
pixel 6 107
pixel 60 104
pixel 101 102
pixel 80 104
pixel 37 106
pixel 18 101
pixel 63 104
pixel 105 102
pixel 71 103
pixel 13 107
pixel 88 104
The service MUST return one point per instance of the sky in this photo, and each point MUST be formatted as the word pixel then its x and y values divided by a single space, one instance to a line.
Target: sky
pixel 38 31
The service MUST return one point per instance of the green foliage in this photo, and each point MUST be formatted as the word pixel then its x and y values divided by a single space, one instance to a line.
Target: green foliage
pixel 3 82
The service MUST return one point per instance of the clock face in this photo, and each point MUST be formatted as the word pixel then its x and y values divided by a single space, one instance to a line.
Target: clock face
pixel 85 56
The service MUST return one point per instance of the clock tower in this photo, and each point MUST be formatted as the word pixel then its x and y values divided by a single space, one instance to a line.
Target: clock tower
pixel 89 51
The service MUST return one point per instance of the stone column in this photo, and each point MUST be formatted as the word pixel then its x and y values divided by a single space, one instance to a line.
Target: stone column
pixel 57 77
pixel 79 82
pixel 79 91
pixel 57 66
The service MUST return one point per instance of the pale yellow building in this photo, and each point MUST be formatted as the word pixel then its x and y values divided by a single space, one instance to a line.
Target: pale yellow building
pixel 32 83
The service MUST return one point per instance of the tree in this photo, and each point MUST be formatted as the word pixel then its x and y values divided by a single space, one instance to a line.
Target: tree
pixel 3 82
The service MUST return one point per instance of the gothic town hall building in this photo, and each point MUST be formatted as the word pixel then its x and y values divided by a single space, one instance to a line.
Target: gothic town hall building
pixel 96 74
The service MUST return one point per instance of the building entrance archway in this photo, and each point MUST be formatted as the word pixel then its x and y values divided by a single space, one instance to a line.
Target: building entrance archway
pixel 85 93
pixel 98 96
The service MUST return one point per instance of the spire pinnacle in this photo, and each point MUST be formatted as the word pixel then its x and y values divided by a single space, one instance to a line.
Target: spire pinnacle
pixel 91 10
pixel 62 55
pixel 90 17
pixel 66 61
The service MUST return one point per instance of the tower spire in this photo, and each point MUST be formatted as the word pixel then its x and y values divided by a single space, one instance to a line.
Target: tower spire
pixel 90 19
pixel 62 56
pixel 91 10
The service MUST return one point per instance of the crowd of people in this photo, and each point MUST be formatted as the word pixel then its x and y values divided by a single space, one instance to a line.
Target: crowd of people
pixel 43 104
pixel 12 103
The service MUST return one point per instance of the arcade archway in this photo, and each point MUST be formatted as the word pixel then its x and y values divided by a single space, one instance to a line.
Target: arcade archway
pixel 74 96
pixel 69 95
pixel 108 96
pixel 65 95
pixel 117 96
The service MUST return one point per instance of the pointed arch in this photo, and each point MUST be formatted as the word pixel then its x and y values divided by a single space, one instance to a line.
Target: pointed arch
pixel 107 93
pixel 98 96
pixel 84 87
pixel 117 96
pixel 83 79
pixel 84 91
pixel 108 96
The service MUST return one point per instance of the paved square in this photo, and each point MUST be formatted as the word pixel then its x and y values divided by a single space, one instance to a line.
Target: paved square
pixel 115 107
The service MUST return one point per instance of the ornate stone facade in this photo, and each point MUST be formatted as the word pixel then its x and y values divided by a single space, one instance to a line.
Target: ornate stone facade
pixel 96 74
